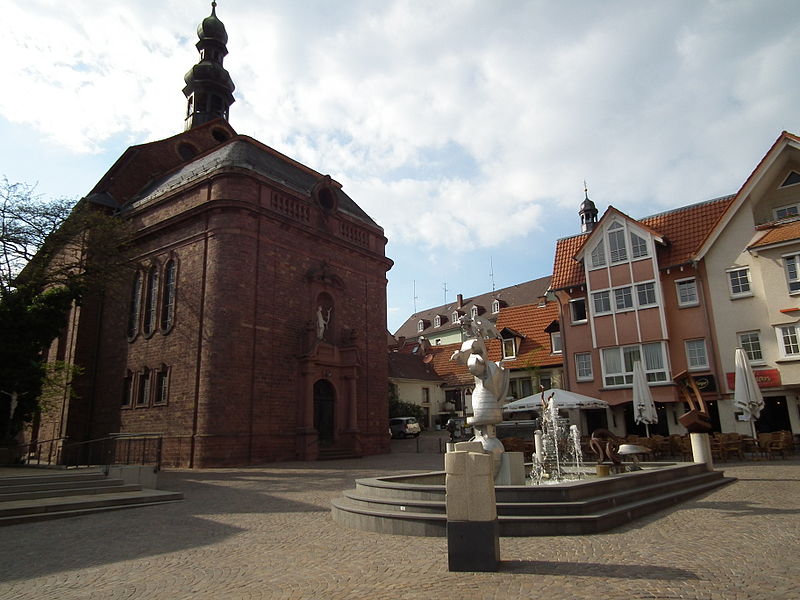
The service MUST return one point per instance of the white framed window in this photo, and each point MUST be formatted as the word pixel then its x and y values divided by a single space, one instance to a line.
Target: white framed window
pixel 455 316
pixel 616 243
pixel 420 325
pixel 750 342
pixel 583 366
pixel 601 302
pixel 598 255
pixel 788 341
pixel 474 312
pixel 687 292
pixel 555 342
pixel 739 282
pixel 793 178
pixel 618 362
pixel 509 348
pixel 783 212
pixel 638 246
pixel 696 356
pixel 623 299
pixel 495 306
pixel 646 294
pixel 791 264
pixel 577 309
pixel 437 321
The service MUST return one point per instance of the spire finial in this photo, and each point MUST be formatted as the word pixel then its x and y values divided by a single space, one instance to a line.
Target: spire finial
pixel 585 190
pixel 214 7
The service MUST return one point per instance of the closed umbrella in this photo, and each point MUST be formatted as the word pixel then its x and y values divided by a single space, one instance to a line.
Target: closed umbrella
pixel 746 394
pixel 644 407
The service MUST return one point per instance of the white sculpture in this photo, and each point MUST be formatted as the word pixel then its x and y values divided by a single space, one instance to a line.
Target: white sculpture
pixel 491 384
pixel 322 322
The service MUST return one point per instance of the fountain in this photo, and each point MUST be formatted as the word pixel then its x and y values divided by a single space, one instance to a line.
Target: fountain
pixel 558 455
pixel 570 504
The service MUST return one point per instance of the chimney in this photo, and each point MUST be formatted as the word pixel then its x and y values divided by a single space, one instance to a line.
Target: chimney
pixel 460 300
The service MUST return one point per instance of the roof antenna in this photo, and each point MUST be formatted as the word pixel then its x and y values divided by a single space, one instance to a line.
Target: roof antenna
pixel 415 295
pixel 444 287
pixel 491 272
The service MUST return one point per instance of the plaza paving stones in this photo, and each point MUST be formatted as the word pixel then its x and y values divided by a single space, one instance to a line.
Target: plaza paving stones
pixel 267 533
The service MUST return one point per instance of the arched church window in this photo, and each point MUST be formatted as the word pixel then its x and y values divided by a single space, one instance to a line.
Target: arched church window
pixel 168 295
pixel 135 305
pixel 151 301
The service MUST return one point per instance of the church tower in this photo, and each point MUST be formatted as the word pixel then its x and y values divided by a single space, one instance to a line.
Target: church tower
pixel 209 88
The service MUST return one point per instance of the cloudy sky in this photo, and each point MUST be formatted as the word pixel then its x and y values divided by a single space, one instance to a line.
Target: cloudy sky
pixel 466 128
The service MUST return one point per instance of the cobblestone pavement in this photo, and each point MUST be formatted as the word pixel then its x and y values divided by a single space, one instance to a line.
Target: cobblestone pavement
pixel 267 533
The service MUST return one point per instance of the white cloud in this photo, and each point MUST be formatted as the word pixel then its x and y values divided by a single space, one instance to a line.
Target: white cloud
pixel 446 121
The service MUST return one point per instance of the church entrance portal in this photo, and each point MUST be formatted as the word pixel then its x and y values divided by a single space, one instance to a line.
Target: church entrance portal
pixel 324 403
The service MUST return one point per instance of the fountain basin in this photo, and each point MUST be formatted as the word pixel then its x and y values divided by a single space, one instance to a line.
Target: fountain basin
pixel 415 504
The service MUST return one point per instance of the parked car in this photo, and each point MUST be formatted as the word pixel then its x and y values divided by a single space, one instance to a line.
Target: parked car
pixel 402 427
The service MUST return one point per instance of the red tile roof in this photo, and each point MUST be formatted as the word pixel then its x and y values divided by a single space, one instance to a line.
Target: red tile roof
pixel 410 366
pixel 451 372
pixel 530 320
pixel 777 233
pixel 684 230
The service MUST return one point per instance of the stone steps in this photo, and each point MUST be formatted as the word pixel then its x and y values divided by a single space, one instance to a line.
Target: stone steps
pixel 336 454
pixel 392 505
pixel 51 495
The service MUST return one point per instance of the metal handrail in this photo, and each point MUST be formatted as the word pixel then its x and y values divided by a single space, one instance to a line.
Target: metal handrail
pixel 115 449
pixel 31 451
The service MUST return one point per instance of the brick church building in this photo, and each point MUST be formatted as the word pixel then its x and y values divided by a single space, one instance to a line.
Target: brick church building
pixel 254 326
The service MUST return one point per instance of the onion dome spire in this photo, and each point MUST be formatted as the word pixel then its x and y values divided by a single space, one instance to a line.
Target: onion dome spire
pixel 587 212
pixel 209 88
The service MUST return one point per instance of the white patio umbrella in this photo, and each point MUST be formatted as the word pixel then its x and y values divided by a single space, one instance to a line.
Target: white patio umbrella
pixel 746 394
pixel 643 405
pixel 563 399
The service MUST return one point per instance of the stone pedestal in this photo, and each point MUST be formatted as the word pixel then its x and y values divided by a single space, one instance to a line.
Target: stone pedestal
pixel 512 469
pixel 701 449
pixel 473 535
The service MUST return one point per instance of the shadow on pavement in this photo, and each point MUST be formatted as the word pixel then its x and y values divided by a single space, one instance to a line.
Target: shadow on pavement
pixel 537 567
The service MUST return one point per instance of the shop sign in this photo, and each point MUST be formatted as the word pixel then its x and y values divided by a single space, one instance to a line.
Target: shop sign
pixel 705 383
pixel 765 378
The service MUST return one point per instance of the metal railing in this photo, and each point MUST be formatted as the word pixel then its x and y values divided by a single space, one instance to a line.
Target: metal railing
pixel 115 449
pixel 47 452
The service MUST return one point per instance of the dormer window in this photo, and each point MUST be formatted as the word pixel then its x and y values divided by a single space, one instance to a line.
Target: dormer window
pixel 420 326
pixel 495 306
pixel 784 212
pixel 510 348
pixel 455 316
pixel 437 321
pixel 473 312
pixel 555 342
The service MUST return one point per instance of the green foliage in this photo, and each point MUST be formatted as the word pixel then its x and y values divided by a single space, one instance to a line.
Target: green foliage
pixel 398 408
pixel 52 253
